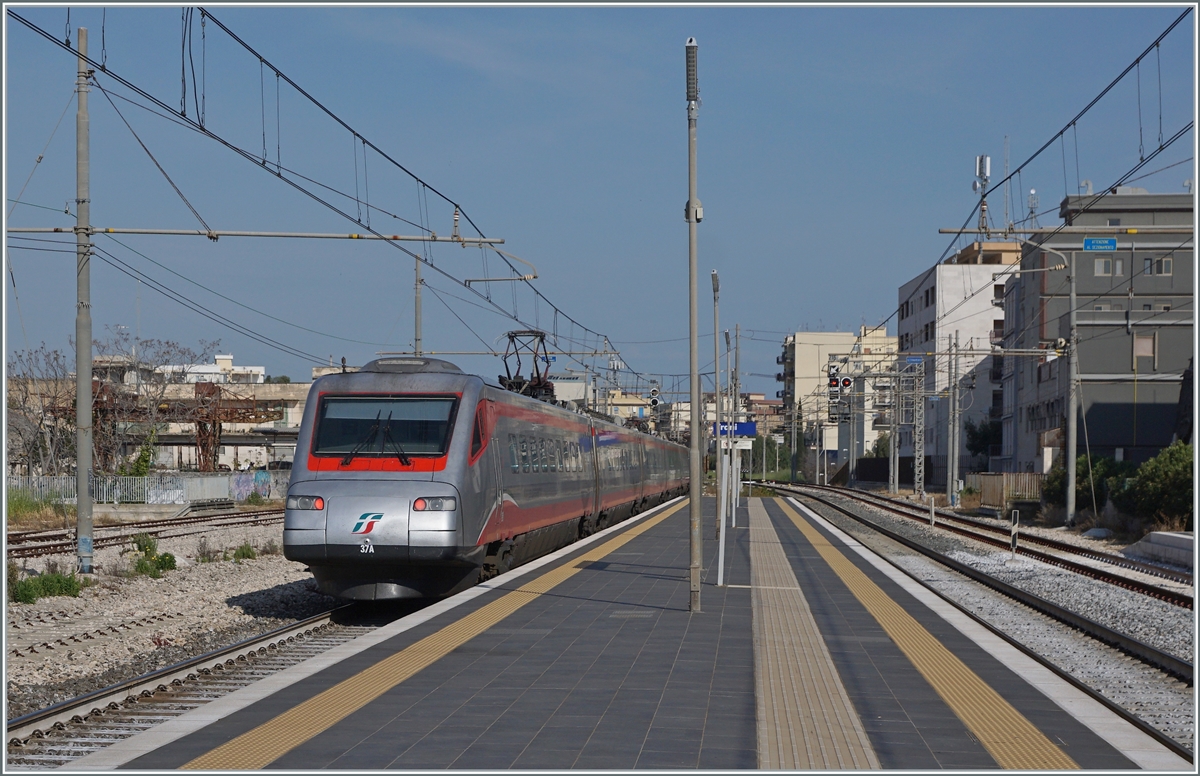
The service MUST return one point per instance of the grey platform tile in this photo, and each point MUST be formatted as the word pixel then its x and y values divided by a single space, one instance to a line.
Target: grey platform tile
pixel 550 759
pixel 562 738
pixel 728 759
pixel 585 721
pixel 491 757
pixel 606 761
pixel 661 759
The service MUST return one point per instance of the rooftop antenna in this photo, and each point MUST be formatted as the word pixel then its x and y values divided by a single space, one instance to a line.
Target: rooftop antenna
pixel 983 172
pixel 1033 206
pixel 1187 184
pixel 1086 185
pixel 1007 223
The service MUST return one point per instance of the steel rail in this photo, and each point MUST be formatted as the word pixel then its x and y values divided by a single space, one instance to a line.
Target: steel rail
pixel 1106 557
pixel 156 528
pixel 76 709
pixel 1163 660
pixel 1112 705
pixel 915 513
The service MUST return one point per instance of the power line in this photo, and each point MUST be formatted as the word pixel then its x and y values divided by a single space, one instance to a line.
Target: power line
pixel 258 163
pixel 1038 152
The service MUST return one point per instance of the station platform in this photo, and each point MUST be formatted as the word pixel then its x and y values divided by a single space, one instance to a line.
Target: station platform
pixel 815 655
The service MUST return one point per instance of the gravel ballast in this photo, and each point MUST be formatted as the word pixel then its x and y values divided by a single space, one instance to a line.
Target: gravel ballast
pixel 123 627
pixel 1160 700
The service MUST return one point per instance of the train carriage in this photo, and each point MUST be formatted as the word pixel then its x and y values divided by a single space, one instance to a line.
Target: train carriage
pixel 413 479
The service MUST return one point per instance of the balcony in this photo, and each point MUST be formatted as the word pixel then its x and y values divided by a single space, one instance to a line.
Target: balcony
pixel 779 378
pixel 995 411
pixel 996 337
pixel 780 360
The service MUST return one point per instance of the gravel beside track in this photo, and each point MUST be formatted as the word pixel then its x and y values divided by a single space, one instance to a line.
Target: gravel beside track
pixel 124 627
pixel 1160 700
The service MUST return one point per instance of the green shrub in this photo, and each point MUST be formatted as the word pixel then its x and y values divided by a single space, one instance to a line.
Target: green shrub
pixel 165 562
pixel 27 591
pixel 1104 473
pixel 1162 490
pixel 255 499
pixel 245 552
pixel 271 547
pixel 145 566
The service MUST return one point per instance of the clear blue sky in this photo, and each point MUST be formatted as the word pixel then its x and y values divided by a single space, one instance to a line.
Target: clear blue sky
pixel 833 144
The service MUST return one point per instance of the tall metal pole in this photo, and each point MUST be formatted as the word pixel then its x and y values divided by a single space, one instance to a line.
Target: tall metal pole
pixel 737 415
pixel 727 493
pixel 417 309
pixel 83 315
pixel 1072 403
pixel 952 422
pixel 717 468
pixel 694 214
pixel 792 449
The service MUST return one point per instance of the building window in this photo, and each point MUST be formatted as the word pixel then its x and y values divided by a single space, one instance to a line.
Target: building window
pixel 1114 222
pixel 1166 308
pixel 1103 307
pixel 1118 267
pixel 1144 347
pixel 1103 267
pixel 1161 266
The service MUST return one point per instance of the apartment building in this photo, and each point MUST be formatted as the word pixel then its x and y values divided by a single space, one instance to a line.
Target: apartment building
pixel 1134 318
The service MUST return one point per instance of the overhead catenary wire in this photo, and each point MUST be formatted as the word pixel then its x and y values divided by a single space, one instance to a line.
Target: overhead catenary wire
pixel 259 160
pixel 125 268
pixel 1039 151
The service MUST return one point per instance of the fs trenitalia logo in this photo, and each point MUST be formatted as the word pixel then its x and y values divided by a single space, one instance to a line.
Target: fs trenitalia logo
pixel 366 522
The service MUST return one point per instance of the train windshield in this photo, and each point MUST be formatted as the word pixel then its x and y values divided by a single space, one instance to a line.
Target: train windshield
pixel 384 425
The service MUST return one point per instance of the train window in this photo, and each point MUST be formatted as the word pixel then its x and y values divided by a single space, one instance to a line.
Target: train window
pixel 524 454
pixel 384 425
pixel 545 455
pixel 477 434
pixel 514 457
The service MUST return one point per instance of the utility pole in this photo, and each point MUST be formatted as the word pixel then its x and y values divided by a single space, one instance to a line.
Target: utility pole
pixel 952 428
pixel 694 213
pixel 83 314
pixel 792 449
pixel 727 493
pixel 919 430
pixel 1073 401
pixel 894 433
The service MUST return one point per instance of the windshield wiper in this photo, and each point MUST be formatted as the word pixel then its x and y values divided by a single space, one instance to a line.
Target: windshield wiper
pixel 370 437
pixel 387 437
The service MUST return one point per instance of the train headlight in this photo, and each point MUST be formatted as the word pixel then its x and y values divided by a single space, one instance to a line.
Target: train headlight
pixel 305 502
pixel 434 505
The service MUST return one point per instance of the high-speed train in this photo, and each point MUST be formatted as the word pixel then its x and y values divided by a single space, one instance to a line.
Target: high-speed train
pixel 412 479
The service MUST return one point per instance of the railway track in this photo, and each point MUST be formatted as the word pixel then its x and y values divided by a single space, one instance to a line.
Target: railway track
pixel 30 544
pixel 1060 556
pixel 67 731
pixel 1162 660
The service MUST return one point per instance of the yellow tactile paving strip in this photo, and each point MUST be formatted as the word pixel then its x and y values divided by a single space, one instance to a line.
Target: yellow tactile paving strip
pixel 255 749
pixel 1011 739
pixel 804 716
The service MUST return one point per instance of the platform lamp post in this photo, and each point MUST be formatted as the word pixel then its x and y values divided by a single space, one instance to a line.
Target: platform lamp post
pixel 718 469
pixel 694 213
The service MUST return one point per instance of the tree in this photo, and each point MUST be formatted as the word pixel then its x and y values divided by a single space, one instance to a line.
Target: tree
pixel 882 447
pixel 40 398
pixel 981 438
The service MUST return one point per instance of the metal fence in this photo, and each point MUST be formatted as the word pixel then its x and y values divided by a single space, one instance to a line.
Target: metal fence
pixel 997 489
pixel 174 488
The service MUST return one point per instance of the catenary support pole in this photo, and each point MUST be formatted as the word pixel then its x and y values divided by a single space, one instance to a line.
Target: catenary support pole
pixel 83 314
pixel 694 213
pixel 1072 401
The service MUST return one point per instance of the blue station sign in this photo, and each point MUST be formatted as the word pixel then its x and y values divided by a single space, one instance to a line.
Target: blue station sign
pixel 914 359
pixel 1100 243
pixel 737 429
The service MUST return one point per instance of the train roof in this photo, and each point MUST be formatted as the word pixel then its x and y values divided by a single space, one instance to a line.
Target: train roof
pixel 398 365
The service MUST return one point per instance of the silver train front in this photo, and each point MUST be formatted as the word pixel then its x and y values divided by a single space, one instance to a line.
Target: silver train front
pixel 497 481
